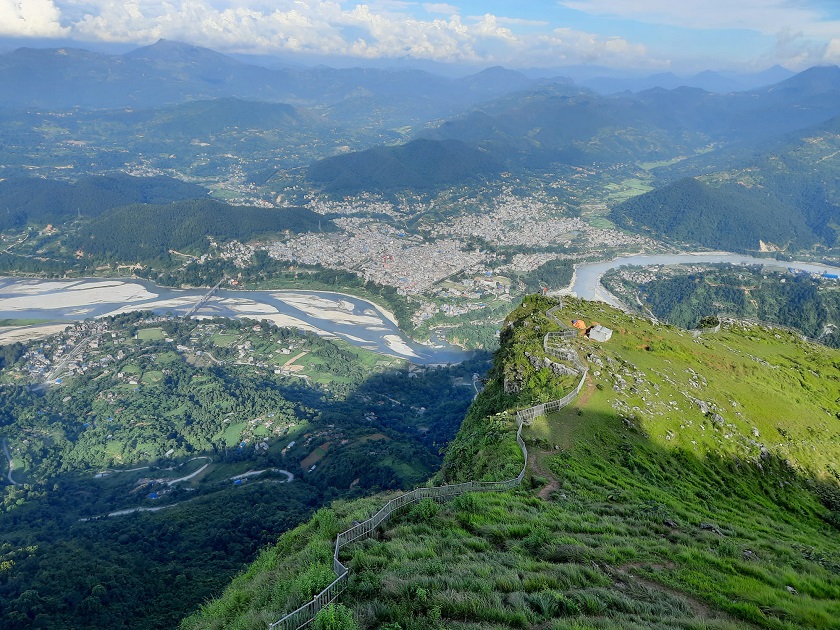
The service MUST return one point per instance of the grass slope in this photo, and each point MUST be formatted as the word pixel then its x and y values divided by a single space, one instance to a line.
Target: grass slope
pixel 691 485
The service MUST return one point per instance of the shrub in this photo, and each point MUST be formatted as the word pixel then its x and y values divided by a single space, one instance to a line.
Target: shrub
pixel 335 617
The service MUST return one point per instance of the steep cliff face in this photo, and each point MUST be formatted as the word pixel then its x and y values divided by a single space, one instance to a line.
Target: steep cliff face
pixel 692 483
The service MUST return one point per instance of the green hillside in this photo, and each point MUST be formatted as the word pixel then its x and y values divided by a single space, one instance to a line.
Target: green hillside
pixel 419 165
pixel 731 217
pixel 692 484
pixel 40 201
pixel 685 296
pixel 148 232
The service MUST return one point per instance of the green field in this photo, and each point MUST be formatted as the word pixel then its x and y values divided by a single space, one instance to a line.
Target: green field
pixel 602 223
pixel 22 322
pixel 224 340
pixel 150 334
pixel 627 189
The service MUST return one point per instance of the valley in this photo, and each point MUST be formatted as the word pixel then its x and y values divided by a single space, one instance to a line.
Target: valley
pixel 243 306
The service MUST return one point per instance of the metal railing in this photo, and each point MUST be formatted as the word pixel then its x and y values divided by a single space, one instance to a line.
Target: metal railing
pixel 304 615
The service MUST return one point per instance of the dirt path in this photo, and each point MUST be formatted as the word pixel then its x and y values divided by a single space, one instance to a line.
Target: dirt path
pixel 535 462
pixel 700 608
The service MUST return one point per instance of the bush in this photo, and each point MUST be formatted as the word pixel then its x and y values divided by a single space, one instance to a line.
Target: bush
pixel 335 617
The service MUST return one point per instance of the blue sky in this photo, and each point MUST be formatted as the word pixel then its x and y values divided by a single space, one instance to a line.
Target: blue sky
pixel 649 35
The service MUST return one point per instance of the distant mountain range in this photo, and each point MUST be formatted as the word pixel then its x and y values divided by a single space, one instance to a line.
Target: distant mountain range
pixel 208 108
pixel 772 175
pixel 171 72
pixel 707 80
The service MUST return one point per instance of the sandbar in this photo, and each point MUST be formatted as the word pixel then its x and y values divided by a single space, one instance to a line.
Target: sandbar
pixel 242 305
pixel 54 296
pixel 321 308
pixel 398 345
pixel 11 334
pixel 376 307
pixel 172 303
pixel 287 321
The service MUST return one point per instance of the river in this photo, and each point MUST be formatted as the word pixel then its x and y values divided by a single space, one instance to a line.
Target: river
pixel 358 321
pixel 587 280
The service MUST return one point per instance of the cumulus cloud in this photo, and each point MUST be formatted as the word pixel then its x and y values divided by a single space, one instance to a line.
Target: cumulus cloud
pixel 30 18
pixel 565 45
pixel 377 28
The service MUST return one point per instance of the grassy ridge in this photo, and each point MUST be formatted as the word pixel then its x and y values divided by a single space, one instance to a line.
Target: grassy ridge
pixel 653 500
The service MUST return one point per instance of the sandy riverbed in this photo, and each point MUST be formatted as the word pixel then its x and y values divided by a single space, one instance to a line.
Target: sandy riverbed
pixel 279 319
pixel 11 334
pixel 23 296
pixel 322 308
pixel 398 345
pixel 173 303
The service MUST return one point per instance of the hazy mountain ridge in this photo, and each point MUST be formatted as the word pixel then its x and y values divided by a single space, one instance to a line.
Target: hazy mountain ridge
pixel 170 72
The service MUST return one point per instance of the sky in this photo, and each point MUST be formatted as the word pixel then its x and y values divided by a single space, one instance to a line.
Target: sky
pixel 652 35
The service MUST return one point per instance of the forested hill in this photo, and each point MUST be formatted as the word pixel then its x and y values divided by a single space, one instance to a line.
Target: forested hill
pixel 41 201
pixel 692 483
pixel 147 232
pixel 418 165
pixel 731 217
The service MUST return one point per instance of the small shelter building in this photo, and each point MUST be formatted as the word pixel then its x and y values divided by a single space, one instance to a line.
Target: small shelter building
pixel 600 333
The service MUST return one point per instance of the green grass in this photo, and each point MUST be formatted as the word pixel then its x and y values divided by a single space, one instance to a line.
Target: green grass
pixel 22 322
pixel 150 334
pixel 636 514
pixel 602 223
pixel 649 166
pixel 232 433
pixel 152 377
pixel 627 189
pixel 223 340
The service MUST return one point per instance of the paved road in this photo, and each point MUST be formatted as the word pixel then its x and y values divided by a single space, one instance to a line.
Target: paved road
pixel 289 476
pixel 191 475
pixel 11 464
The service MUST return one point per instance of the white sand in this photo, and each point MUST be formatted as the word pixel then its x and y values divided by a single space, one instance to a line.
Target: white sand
pixel 242 305
pixel 23 298
pixel 352 338
pixel 398 345
pixel 321 308
pixel 368 311
pixel 173 303
pixel 34 287
pixel 87 284
pixel 279 319
pixel 307 299
pixel 11 334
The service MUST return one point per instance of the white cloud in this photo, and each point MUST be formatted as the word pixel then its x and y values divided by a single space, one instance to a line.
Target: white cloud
pixel 568 46
pixel 373 29
pixel 30 18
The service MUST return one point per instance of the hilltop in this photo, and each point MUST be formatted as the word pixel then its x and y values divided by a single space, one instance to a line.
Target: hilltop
pixel 691 484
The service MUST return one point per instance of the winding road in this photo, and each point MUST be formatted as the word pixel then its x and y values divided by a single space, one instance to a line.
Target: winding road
pixel 11 463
